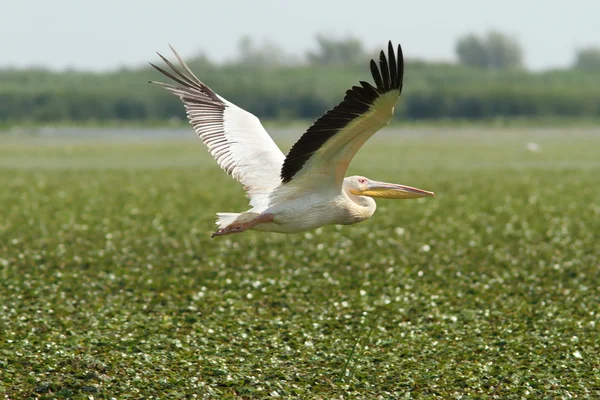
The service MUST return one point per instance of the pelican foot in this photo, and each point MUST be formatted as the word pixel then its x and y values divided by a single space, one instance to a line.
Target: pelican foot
pixel 241 227
pixel 231 229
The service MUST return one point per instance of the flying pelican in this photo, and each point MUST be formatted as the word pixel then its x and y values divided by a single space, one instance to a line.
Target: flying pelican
pixel 305 189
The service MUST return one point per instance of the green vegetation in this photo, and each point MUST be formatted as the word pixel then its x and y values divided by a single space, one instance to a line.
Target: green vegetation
pixel 588 59
pixel 494 51
pixel 111 287
pixel 292 90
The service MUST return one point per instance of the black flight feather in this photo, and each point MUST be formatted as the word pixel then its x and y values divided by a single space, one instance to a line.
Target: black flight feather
pixel 385 72
pixel 393 68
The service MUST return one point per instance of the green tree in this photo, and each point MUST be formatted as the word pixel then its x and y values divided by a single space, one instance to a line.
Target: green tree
pixel 471 51
pixel 588 59
pixel 493 51
pixel 331 51
pixel 267 54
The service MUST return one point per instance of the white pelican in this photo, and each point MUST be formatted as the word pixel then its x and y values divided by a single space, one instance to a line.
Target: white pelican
pixel 305 189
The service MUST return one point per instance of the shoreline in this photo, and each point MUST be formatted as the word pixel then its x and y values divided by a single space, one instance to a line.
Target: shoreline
pixel 497 123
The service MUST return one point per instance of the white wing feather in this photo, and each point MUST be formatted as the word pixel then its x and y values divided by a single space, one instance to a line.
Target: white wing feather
pixel 234 137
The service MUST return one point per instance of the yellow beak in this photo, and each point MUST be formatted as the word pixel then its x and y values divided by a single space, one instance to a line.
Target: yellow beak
pixel 393 191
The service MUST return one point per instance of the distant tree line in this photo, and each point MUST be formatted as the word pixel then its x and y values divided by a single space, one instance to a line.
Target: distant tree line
pixel 493 51
pixel 588 59
pixel 488 82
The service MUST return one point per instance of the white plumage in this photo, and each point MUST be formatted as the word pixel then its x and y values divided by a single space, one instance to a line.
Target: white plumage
pixel 306 189
pixel 234 137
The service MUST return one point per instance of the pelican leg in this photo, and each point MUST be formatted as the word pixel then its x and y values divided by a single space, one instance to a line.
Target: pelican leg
pixel 241 227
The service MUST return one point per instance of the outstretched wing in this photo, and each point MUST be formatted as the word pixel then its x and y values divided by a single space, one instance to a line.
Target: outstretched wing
pixel 234 137
pixel 323 153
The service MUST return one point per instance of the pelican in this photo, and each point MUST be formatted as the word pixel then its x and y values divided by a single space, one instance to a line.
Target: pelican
pixel 305 189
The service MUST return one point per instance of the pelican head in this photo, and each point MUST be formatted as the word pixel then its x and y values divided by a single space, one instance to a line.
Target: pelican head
pixel 361 186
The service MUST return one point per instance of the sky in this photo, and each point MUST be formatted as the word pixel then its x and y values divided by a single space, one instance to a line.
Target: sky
pixel 107 34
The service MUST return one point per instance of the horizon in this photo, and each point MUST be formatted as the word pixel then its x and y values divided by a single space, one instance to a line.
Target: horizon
pixel 62 36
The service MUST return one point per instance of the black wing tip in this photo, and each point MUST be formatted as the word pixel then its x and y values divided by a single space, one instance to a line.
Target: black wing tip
pixel 388 75
pixel 186 81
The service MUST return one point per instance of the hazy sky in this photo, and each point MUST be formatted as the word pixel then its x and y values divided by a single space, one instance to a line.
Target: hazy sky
pixel 104 34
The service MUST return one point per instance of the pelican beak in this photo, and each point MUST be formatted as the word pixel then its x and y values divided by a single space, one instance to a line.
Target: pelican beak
pixel 393 191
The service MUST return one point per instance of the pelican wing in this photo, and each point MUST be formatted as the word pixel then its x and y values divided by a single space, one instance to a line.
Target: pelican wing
pixel 323 153
pixel 234 137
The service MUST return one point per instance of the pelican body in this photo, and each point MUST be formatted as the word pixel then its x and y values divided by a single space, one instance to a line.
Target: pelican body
pixel 307 188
